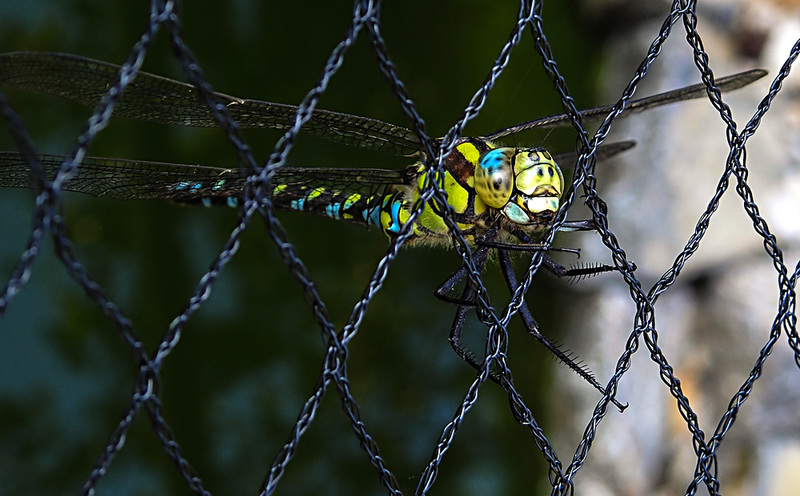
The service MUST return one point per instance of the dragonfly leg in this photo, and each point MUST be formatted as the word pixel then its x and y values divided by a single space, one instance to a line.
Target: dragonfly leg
pixel 468 298
pixel 577 272
pixel 464 302
pixel 479 258
pixel 444 289
pixel 533 328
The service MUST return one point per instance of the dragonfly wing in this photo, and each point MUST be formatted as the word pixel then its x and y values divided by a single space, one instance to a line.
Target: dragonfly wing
pixel 728 83
pixel 604 152
pixel 341 178
pixel 158 99
pixel 128 179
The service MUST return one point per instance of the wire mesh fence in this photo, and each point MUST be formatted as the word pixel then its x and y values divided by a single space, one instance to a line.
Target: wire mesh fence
pixel 383 404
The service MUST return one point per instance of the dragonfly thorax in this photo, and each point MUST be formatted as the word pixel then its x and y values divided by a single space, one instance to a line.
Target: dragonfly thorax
pixel 525 184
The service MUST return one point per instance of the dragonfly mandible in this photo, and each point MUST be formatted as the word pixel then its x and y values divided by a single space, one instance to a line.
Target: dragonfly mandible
pixel 501 196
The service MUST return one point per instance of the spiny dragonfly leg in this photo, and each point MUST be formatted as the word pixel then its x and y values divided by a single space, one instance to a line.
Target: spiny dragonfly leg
pixel 464 302
pixel 533 328
pixel 577 272
pixel 467 300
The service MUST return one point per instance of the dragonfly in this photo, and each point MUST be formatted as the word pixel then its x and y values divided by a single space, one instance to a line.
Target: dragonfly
pixel 503 198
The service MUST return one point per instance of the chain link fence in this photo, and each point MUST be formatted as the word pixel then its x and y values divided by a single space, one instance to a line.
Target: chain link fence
pixel 383 404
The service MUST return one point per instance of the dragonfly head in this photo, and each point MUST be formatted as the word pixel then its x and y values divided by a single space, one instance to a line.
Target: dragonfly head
pixel 524 183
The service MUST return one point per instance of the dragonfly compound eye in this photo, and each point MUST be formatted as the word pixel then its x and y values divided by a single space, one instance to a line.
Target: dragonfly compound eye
pixel 494 177
pixel 539 184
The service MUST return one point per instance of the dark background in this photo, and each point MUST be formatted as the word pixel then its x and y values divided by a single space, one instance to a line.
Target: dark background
pixel 249 358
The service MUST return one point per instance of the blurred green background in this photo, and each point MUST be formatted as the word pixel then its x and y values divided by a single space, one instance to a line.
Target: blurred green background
pixel 250 357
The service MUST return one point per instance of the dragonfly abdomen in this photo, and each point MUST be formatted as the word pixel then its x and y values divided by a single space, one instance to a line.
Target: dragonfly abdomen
pixel 330 202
